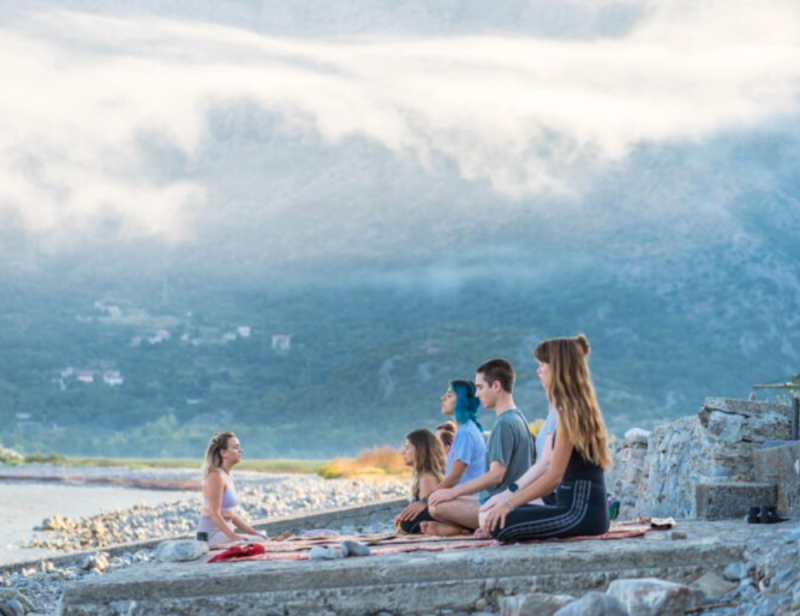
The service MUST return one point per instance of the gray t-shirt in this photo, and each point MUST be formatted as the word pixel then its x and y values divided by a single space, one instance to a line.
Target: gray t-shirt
pixel 511 444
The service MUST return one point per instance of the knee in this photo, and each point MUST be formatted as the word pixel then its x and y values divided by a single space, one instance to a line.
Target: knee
pixel 435 509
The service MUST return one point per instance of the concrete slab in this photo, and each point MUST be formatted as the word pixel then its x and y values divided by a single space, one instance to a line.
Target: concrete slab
pixel 412 583
pixel 780 464
pixel 732 500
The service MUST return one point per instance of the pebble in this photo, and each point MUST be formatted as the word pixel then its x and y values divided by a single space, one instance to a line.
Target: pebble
pixel 353 548
pixel 319 552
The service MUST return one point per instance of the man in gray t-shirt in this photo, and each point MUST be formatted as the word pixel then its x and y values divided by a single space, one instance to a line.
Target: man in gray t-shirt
pixel 510 444
pixel 509 455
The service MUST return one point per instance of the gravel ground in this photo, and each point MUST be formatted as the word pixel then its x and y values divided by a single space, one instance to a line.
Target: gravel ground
pixel 39 587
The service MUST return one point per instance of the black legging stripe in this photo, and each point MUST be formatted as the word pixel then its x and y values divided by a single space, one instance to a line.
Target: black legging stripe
pixel 581 510
pixel 554 525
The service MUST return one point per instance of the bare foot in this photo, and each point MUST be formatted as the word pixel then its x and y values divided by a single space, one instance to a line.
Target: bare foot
pixel 438 529
pixel 482 534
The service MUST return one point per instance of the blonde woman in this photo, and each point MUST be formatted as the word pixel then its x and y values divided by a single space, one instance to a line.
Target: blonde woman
pixel 579 457
pixel 220 498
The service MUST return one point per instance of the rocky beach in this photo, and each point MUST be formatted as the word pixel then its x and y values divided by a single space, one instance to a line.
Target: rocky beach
pixel 37 584
pixel 706 471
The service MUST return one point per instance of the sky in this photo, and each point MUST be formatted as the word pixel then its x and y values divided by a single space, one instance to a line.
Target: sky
pixel 528 113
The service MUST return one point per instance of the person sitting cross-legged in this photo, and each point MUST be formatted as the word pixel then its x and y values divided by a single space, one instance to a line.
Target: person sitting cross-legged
pixel 510 454
pixel 466 455
pixel 580 455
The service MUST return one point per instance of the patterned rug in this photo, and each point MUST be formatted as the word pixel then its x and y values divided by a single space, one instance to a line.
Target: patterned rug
pixel 298 547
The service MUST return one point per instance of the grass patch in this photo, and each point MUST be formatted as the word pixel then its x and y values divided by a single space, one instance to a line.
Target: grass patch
pixel 260 466
pixel 375 462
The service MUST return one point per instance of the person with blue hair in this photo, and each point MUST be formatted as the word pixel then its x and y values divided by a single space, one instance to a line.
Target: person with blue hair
pixel 466 459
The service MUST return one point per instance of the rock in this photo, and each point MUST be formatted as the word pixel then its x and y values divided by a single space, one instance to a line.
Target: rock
pixel 713 586
pixel 353 548
pixel 97 561
pixel 534 604
pixel 180 551
pixel 736 572
pixel 653 597
pixel 7 594
pixel 637 436
pixel 319 552
pixel 594 604
pixel 11 608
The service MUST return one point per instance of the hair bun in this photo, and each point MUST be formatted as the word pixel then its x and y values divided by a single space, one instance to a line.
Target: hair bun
pixel 583 343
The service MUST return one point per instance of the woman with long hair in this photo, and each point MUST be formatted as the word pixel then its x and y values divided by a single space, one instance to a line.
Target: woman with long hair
pixel 466 457
pixel 220 498
pixel 579 457
pixel 424 453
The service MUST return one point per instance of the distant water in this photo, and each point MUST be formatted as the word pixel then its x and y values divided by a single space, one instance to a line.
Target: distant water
pixel 24 505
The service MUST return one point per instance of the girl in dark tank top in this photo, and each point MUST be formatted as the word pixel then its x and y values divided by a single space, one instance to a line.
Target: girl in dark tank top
pixel 580 456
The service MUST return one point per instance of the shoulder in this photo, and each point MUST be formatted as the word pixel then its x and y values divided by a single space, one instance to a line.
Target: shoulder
pixel 427 480
pixel 215 480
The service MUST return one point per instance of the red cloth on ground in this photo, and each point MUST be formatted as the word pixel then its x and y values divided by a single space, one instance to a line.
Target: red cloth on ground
pixel 239 551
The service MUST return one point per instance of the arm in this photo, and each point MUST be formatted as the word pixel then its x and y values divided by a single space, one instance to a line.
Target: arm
pixel 214 488
pixel 243 526
pixel 490 478
pixel 530 476
pixel 544 485
pixel 456 471
pixel 427 484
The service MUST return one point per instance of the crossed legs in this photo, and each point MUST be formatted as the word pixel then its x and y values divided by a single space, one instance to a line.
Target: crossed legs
pixel 455 517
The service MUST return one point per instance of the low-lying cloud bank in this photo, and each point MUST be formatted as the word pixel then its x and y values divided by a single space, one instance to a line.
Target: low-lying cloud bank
pixel 532 116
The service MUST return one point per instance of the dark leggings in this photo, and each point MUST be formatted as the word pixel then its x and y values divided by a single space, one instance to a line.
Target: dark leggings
pixel 581 509
pixel 412 526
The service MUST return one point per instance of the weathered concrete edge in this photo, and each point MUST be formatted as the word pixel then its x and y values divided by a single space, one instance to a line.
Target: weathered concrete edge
pixel 371 589
pixel 195 580
pixel 325 518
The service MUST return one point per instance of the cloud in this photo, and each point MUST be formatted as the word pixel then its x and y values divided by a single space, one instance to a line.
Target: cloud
pixel 529 115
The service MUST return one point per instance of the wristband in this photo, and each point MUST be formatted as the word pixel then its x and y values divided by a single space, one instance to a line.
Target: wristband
pixel 424 500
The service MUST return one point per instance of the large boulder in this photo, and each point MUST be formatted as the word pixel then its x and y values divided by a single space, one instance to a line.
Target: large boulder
pixel 594 604
pixel 654 597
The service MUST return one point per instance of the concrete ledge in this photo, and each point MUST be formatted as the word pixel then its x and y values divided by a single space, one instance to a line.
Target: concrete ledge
pixel 411 583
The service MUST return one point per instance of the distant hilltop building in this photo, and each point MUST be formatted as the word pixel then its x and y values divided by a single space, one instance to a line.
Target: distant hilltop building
pixel 111 378
pixel 281 342
pixel 243 331
pixel 110 307
pixel 162 335
pixel 85 376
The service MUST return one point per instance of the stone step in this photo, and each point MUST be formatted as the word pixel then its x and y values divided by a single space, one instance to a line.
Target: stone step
pixel 780 464
pixel 731 500
pixel 408 583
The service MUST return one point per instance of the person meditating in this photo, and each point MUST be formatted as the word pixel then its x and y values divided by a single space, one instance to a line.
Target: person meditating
pixel 220 497
pixel 580 455
pixel 424 453
pixel 510 454
pixel 466 457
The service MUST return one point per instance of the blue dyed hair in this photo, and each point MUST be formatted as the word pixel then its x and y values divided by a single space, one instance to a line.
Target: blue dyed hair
pixel 467 404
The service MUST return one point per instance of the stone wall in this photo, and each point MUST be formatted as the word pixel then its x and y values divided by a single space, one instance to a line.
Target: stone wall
pixel 658 473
